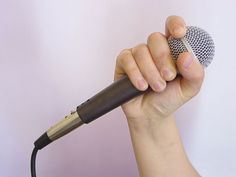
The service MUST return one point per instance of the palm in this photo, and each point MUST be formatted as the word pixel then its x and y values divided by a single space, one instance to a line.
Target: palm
pixel 163 103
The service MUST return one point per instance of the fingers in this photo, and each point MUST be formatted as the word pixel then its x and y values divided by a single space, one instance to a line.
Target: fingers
pixel 140 67
pixel 192 73
pixel 125 64
pixel 161 55
pixel 175 26
pixel 152 64
pixel 148 68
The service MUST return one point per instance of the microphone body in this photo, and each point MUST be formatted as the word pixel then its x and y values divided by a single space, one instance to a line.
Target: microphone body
pixel 196 41
pixel 106 100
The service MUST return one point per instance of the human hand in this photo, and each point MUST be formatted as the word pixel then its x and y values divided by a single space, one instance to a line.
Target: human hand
pixel 151 65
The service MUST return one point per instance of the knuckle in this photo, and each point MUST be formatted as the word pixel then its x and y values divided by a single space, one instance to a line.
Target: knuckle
pixel 173 18
pixel 169 21
pixel 139 49
pixel 124 61
pixel 176 26
pixel 122 58
pixel 154 36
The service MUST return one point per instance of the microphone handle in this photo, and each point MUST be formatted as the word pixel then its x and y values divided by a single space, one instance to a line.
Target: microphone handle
pixel 108 99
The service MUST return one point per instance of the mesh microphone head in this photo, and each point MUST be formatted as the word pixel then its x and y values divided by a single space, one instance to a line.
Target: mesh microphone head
pixel 196 41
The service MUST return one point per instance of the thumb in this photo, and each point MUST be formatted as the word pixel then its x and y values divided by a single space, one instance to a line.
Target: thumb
pixel 192 73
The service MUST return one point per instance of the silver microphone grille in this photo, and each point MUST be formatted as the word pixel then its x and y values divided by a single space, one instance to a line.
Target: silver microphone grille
pixel 197 41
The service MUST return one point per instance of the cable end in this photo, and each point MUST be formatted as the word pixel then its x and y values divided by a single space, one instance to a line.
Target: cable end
pixel 42 141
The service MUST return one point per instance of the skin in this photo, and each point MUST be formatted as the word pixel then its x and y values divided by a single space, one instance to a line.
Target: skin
pixel 156 141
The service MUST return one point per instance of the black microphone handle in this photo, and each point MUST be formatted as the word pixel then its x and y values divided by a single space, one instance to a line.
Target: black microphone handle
pixel 108 99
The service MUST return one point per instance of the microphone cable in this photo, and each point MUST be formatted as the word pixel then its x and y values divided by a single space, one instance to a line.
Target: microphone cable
pixel 33 161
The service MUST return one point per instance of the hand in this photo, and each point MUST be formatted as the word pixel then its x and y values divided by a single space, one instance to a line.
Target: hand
pixel 151 65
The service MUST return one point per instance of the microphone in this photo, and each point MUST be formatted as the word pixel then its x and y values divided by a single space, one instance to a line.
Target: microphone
pixel 196 41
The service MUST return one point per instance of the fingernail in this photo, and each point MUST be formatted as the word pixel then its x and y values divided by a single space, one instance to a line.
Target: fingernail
pixel 188 61
pixel 178 30
pixel 159 86
pixel 167 73
pixel 142 84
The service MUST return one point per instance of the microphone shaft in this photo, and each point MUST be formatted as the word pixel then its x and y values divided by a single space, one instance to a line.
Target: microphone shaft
pixel 106 100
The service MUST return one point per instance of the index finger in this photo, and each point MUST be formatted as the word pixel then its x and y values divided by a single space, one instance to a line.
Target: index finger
pixel 175 26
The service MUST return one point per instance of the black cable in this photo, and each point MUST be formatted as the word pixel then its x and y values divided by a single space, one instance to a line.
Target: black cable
pixel 32 163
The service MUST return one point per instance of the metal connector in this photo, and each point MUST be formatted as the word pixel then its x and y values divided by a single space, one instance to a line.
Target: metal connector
pixel 69 123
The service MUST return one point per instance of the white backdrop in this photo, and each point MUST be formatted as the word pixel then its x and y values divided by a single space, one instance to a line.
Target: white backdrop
pixel 55 54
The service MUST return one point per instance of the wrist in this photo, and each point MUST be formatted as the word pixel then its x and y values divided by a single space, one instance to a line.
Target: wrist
pixel 159 150
pixel 154 127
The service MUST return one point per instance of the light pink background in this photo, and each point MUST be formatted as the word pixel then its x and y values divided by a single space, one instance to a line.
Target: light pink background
pixel 55 54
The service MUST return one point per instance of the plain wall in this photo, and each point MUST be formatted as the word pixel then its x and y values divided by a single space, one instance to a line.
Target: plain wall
pixel 55 54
